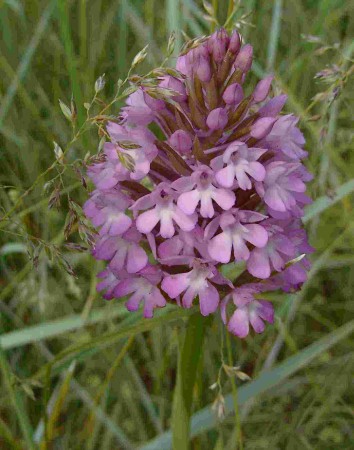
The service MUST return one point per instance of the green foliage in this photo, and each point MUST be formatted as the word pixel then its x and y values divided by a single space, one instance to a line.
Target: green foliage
pixel 121 394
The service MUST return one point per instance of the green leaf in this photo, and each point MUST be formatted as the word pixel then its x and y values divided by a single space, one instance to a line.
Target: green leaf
pixel 54 328
pixel 163 316
pixel 205 420
pixel 186 375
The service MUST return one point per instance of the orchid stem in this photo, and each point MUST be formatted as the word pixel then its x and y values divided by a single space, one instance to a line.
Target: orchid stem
pixel 238 429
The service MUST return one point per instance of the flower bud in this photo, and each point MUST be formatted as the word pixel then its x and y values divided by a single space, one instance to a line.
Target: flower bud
pixel 273 107
pixel 244 58
pixel 262 89
pixel 217 45
pixel 262 127
pixel 199 59
pixel 233 94
pixel 153 103
pixel 172 83
pixel 217 119
pixel 235 42
pixel 181 141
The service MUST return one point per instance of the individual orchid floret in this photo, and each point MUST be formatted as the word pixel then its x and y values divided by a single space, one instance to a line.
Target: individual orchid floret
pixel 239 162
pixel 274 255
pixel 135 145
pixel 137 112
pixel 106 210
pixel 106 175
pixel 122 252
pixel 238 229
pixel 180 249
pixel 287 138
pixel 195 283
pixel 201 188
pixel 143 289
pixel 162 209
pixel 280 185
pixel 249 311
pixel 108 284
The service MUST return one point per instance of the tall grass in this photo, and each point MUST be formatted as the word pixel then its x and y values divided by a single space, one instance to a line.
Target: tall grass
pixel 69 377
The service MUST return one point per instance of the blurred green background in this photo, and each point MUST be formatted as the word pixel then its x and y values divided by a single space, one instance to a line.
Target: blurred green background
pixel 111 382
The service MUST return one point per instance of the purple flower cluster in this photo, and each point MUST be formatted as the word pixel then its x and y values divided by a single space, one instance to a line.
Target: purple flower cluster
pixel 220 180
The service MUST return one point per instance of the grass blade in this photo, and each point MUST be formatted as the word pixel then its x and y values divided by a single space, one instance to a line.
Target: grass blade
pixel 54 328
pixel 325 202
pixel 274 34
pixel 204 420
pixel 17 401
pixel 6 102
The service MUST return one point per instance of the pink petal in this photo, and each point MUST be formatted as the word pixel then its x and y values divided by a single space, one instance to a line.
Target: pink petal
pixel 256 322
pixel 265 311
pixel 147 221
pixel 137 259
pixel 126 287
pixel 174 285
pixel 167 229
pixel 239 323
pixel 257 235
pixel 256 170
pixel 188 297
pixel 206 206
pixel 219 248
pixel 208 300
pixel 188 201
pixel 258 264
pixel 225 177
pixel 186 223
pixel 224 198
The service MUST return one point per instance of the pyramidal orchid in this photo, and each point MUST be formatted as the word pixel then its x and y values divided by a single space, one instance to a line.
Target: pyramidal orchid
pixel 219 180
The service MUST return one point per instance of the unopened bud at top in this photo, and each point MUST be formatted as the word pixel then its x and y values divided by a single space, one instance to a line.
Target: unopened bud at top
pixel 262 89
pixel 217 119
pixel 217 44
pixel 244 58
pixel 235 42
pixel 198 59
pixel 233 94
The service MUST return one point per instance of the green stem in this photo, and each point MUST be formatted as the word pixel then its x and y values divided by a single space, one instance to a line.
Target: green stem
pixel 189 356
pixel 234 396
